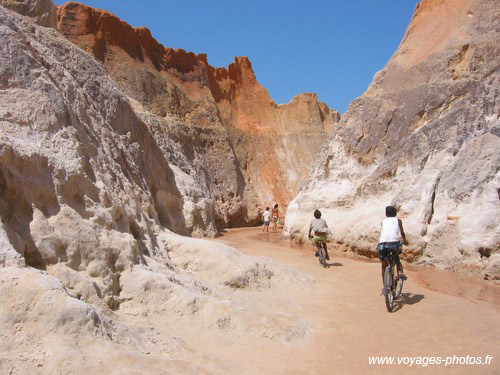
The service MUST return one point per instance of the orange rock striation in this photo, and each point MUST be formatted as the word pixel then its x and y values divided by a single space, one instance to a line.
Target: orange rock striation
pixel 247 150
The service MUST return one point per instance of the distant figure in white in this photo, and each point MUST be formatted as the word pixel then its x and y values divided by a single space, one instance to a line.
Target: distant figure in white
pixel 267 217
pixel 392 228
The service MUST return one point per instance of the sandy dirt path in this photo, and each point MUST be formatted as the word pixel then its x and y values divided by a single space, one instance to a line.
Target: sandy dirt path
pixel 349 321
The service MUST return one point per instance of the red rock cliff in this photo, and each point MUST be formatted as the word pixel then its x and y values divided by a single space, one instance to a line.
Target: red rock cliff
pixel 262 150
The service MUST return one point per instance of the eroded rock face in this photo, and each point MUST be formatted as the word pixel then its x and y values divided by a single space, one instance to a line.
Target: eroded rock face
pixel 76 162
pixel 235 141
pixel 425 138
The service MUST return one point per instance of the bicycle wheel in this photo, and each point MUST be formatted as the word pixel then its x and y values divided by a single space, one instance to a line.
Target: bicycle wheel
pixel 322 256
pixel 389 296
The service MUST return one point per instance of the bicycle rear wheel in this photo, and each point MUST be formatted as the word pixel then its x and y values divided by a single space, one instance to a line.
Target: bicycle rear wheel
pixel 322 256
pixel 388 287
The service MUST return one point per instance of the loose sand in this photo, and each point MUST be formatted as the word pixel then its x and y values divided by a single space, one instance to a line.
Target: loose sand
pixel 439 314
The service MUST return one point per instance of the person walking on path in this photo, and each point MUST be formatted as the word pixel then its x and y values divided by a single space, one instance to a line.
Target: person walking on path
pixel 275 215
pixel 267 217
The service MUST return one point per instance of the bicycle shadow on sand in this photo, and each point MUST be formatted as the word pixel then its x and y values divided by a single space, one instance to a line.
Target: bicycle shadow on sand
pixel 334 264
pixel 407 299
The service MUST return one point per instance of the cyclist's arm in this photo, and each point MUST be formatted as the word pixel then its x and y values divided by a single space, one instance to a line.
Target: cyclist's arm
pixel 402 231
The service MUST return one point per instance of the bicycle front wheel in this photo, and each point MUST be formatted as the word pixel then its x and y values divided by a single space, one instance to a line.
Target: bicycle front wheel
pixel 388 283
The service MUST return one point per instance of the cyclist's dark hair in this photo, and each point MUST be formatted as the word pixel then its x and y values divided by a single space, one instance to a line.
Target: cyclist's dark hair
pixel 317 214
pixel 276 205
pixel 267 208
pixel 390 211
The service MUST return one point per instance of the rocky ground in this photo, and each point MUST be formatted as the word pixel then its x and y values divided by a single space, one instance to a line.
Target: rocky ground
pixel 304 319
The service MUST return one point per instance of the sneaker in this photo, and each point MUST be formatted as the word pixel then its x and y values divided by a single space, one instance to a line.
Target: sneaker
pixel 403 277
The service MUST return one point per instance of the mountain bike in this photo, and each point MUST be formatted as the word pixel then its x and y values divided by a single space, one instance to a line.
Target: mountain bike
pixel 321 253
pixel 393 285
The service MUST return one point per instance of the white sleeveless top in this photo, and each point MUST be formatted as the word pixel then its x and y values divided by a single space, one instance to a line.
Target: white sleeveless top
pixel 390 230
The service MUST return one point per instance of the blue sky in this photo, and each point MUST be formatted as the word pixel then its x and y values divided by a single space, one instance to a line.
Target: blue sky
pixel 331 47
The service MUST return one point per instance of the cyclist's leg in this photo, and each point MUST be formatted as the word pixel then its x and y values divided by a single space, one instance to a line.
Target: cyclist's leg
pixel 399 265
pixel 382 255
pixel 384 266
pixel 400 268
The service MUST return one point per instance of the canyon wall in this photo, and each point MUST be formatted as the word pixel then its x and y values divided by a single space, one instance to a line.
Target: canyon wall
pixel 108 156
pixel 92 276
pixel 424 137
pixel 237 150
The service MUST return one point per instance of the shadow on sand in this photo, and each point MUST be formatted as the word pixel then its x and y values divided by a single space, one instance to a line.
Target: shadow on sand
pixel 220 233
pixel 335 264
pixel 407 299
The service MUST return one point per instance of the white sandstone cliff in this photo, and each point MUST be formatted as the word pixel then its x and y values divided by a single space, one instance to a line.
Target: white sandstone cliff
pixel 424 137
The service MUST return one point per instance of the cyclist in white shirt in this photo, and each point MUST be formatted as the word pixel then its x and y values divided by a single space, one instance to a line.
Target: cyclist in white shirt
pixel 392 227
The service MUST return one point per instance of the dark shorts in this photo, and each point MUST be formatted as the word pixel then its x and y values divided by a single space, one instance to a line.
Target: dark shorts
pixel 266 223
pixel 384 249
